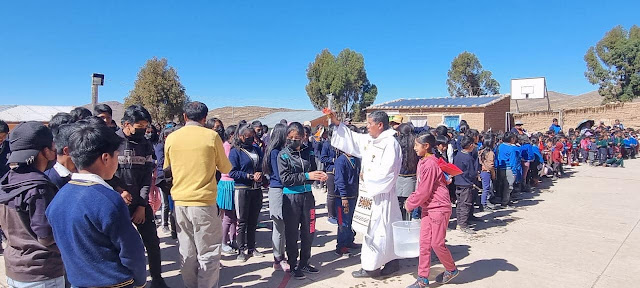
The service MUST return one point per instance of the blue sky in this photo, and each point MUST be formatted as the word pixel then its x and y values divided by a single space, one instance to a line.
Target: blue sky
pixel 256 52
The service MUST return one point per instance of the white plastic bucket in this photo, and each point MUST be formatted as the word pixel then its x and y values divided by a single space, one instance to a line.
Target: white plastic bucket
pixel 406 238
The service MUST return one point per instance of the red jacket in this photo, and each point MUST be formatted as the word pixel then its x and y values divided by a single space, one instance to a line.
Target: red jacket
pixel 556 156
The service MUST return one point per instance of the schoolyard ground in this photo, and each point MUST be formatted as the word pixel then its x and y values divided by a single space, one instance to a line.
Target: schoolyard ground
pixel 579 231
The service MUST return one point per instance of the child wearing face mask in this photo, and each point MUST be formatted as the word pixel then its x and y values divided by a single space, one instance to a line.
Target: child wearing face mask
pixel 297 170
pixel 246 171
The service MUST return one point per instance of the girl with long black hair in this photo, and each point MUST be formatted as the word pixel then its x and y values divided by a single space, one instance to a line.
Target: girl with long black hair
pixel 270 167
pixel 296 167
pixel 407 178
pixel 246 171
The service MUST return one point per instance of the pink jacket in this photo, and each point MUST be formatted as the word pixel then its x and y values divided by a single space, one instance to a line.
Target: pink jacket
pixel 584 143
pixel 431 192
pixel 227 148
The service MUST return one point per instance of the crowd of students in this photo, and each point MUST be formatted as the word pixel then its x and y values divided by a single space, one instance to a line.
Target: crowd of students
pixel 212 181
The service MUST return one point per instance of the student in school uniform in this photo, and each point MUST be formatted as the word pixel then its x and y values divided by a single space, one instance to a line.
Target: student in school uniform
pixel 246 171
pixel 406 182
pixel 603 149
pixel 133 178
pixel 270 167
pixel 556 157
pixel 115 242
pixel 488 172
pixel 60 173
pixel 465 182
pixel 508 167
pixel 347 176
pixel 297 172
pixel 105 112
pixel 165 185
pixel 32 257
pixel 328 157
pixel 225 197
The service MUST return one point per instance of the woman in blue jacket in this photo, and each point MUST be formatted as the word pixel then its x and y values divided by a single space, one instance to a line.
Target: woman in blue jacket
pixel 246 171
pixel 270 167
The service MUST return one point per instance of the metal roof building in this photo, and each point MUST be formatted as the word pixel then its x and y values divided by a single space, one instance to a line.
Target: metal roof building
pixel 481 112
pixel 14 114
pixel 315 117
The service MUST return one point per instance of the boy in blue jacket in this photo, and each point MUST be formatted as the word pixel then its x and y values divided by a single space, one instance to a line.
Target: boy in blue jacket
pixel 98 225
pixel 347 171
pixel 508 166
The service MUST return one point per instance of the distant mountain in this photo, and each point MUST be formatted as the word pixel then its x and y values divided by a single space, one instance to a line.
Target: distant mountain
pixel 558 101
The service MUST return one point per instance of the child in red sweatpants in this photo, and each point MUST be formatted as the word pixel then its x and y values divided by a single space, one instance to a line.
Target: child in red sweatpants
pixel 432 195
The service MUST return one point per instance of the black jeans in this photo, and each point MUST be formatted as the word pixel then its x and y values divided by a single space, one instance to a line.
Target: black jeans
pixel 331 196
pixel 297 214
pixel 151 242
pixel 464 204
pixel 167 215
pixel 248 205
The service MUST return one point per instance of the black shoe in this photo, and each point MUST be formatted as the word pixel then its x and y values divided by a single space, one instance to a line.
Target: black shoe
pixel 158 283
pixel 365 274
pixel 392 267
pixel 354 246
pixel 309 269
pixel 297 274
pixel 342 251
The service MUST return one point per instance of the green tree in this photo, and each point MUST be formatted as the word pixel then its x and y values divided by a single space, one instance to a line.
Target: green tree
pixel 614 64
pixel 467 78
pixel 346 78
pixel 159 90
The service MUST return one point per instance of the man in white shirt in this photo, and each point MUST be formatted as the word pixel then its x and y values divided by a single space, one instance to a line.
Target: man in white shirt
pixel 381 161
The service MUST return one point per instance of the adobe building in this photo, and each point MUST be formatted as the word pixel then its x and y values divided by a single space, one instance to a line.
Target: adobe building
pixel 480 112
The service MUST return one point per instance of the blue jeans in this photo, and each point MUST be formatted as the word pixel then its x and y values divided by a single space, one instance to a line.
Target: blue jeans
pixel 487 187
pixel 345 233
pixel 51 283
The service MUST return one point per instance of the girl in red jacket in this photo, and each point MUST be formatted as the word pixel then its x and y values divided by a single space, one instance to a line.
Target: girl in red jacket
pixel 432 195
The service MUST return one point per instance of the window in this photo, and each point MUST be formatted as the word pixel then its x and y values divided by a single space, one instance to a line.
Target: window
pixel 451 121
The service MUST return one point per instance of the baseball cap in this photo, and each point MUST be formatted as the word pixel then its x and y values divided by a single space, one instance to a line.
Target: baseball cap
pixel 396 119
pixel 26 140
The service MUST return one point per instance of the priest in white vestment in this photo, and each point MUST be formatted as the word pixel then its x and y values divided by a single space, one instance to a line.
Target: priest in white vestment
pixel 381 161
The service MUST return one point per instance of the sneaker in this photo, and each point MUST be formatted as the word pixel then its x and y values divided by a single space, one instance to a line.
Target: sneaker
pixel 467 230
pixel 447 276
pixel 342 251
pixel 255 253
pixel 281 266
pixel 489 207
pixel 332 221
pixel 309 269
pixel 297 274
pixel 226 249
pixel 420 283
pixel 243 257
pixel 165 229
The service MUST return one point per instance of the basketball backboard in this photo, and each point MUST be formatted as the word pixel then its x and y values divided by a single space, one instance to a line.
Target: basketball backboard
pixel 528 88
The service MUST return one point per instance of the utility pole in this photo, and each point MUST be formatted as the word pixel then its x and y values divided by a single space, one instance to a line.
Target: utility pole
pixel 96 80
pixel 330 102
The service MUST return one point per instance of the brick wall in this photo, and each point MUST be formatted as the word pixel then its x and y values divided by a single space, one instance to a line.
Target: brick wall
pixel 494 115
pixel 627 113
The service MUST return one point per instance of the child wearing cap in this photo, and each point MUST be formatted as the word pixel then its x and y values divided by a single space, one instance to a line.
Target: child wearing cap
pixel 99 245
pixel 32 258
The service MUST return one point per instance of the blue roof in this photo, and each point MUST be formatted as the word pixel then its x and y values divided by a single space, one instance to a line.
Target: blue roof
pixel 448 102
pixel 291 116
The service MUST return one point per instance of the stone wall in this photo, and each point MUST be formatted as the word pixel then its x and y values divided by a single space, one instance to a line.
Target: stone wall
pixel 627 113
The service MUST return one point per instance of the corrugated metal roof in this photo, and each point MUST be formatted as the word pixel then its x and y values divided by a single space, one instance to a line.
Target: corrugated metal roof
pixel 5 107
pixel 447 102
pixel 20 113
pixel 291 116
